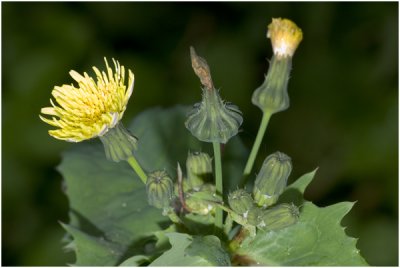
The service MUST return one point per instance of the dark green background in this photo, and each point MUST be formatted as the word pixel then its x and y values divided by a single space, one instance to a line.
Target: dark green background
pixel 343 115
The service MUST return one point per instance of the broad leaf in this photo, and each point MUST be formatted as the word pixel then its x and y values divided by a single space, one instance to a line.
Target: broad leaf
pixel 176 256
pixel 317 239
pixel 209 248
pixel 193 251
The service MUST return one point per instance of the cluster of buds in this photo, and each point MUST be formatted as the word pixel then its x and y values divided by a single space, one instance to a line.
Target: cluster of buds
pixel 200 196
pixel 262 211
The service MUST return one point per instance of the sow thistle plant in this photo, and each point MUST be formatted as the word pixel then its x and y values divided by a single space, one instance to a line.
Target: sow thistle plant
pixel 217 211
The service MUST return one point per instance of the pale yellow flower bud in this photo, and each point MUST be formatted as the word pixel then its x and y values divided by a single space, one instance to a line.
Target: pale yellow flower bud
pixel 285 37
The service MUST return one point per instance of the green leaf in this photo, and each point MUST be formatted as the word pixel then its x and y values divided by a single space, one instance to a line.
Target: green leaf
pixel 108 201
pixel 209 248
pixel 176 256
pixel 317 239
pixel 135 260
pixel 193 251
pixel 295 191
pixel 97 250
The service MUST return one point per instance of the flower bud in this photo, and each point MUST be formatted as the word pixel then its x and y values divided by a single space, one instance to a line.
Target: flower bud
pixel 280 216
pixel 211 120
pixel 201 202
pixel 254 216
pixel 272 179
pixel 159 188
pixel 285 37
pixel 199 169
pixel 118 143
pixel 240 201
pixel 272 95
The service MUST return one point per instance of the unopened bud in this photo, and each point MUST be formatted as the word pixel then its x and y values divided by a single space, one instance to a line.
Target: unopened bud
pixel 240 201
pixel 199 169
pixel 280 216
pixel 272 95
pixel 254 216
pixel 272 179
pixel 159 188
pixel 202 201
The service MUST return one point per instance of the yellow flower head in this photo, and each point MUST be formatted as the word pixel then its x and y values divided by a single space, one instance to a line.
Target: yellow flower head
pixel 92 108
pixel 285 37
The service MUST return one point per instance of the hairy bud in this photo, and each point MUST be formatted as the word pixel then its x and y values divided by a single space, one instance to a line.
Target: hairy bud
pixel 240 201
pixel 272 179
pixel 280 216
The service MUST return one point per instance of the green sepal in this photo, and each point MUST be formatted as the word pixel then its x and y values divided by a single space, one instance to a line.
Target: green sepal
pixel 272 95
pixel 119 143
pixel 213 120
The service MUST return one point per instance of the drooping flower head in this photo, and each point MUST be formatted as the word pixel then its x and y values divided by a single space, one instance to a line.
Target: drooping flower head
pixel 93 107
pixel 285 37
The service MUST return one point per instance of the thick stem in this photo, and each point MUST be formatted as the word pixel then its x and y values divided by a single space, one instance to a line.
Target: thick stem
pixel 256 147
pixel 218 184
pixel 137 168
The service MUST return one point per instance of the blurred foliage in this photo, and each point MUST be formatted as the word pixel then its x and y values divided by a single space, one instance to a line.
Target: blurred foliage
pixel 343 115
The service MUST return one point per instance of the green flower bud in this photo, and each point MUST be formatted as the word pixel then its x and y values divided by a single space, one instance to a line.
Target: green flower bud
pixel 211 120
pixel 240 201
pixel 199 169
pixel 118 143
pixel 159 188
pixel 254 216
pixel 272 95
pixel 201 202
pixel 279 217
pixel 272 179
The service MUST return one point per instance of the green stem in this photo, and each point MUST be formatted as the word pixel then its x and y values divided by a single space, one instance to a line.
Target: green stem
pixel 137 168
pixel 256 147
pixel 218 183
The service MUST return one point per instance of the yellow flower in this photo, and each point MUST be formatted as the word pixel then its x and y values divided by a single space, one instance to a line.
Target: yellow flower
pixel 92 108
pixel 285 37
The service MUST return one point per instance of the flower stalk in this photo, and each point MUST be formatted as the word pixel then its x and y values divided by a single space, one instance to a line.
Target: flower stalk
pixel 272 96
pixel 212 120
pixel 255 148
pixel 218 183
pixel 137 168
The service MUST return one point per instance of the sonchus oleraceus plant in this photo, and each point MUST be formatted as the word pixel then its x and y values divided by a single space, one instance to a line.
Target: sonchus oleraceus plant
pixel 132 204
